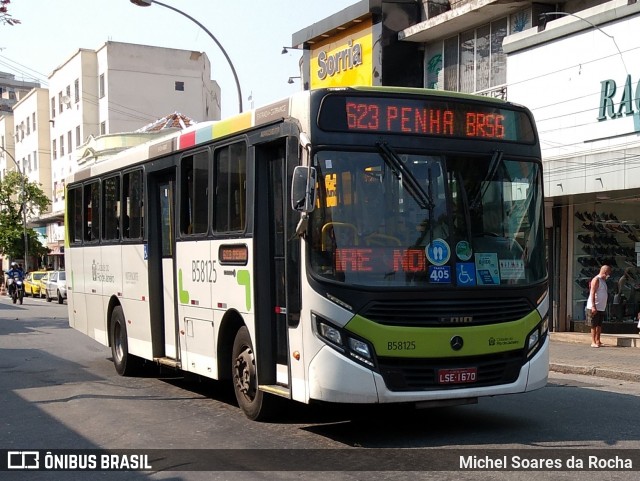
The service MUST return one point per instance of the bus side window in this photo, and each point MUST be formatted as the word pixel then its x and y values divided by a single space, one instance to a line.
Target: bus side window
pixel 75 222
pixel 230 188
pixel 111 208
pixel 194 189
pixel 132 205
pixel 91 211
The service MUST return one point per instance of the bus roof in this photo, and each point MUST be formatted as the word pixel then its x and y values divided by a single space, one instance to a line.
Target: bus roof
pixel 217 129
pixel 191 136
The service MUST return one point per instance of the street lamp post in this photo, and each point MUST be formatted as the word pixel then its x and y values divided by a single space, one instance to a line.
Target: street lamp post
pixel 147 3
pixel 24 210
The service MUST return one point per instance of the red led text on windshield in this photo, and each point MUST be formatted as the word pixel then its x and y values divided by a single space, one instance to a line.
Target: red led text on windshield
pixel 367 259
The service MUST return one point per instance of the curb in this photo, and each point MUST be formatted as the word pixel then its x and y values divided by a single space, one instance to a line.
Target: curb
pixel 595 371
pixel 610 340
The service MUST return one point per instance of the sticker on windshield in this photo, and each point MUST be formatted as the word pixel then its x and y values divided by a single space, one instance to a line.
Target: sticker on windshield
pixel 511 269
pixel 487 272
pixel 466 274
pixel 438 252
pixel 463 250
pixel 440 274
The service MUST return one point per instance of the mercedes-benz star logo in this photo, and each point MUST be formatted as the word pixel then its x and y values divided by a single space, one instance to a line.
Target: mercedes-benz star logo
pixel 456 343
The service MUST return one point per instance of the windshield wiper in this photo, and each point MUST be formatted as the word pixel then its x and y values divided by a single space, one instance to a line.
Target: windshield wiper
pixel 465 202
pixel 496 160
pixel 409 182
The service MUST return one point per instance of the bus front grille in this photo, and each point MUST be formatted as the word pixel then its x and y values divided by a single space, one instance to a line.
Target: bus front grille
pixel 422 374
pixel 446 312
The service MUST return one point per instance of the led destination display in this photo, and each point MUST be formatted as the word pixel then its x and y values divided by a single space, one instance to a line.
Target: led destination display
pixel 424 116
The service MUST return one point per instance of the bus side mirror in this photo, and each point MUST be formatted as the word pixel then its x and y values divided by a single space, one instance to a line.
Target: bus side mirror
pixel 303 189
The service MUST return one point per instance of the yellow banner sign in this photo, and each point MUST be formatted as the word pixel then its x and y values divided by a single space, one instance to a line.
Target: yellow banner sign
pixel 344 60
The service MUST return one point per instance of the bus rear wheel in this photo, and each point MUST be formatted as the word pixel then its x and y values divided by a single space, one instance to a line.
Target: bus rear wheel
pixel 255 404
pixel 124 362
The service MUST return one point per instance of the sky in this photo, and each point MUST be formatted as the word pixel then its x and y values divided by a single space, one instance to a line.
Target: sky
pixel 252 32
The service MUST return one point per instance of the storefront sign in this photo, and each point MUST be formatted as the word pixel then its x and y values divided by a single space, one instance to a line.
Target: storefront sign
pixel 344 60
pixel 58 190
pixel 614 104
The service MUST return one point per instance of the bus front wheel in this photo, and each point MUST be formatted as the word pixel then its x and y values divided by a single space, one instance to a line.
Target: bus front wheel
pixel 123 361
pixel 255 404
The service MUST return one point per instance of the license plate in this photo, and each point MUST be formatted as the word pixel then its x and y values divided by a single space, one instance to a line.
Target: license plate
pixel 457 376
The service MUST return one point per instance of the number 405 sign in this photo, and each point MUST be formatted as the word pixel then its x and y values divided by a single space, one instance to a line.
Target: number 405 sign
pixel 440 274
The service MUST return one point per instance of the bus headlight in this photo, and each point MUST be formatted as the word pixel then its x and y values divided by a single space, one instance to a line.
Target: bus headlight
pixel 330 333
pixel 534 337
pixel 343 341
pixel 360 350
pixel 537 336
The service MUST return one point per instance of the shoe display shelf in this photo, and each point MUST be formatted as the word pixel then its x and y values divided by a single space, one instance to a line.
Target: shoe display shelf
pixel 601 239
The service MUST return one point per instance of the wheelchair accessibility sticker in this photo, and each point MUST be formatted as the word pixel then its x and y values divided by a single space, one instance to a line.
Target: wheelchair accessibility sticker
pixel 466 274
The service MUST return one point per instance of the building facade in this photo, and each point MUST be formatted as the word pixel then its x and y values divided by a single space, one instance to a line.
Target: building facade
pixel 118 88
pixel 12 90
pixel 580 76
pixel 115 89
pixel 573 64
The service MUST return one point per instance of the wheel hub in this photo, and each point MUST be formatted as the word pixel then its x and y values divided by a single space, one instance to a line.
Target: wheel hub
pixel 245 373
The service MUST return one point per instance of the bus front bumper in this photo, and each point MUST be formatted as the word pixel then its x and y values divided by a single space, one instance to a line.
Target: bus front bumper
pixel 334 378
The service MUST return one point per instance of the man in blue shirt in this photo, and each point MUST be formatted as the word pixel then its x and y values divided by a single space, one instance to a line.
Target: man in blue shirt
pixel 13 274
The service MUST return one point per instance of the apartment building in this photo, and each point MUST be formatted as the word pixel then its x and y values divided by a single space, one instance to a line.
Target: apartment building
pixel 111 91
pixel 119 88
pixel 12 90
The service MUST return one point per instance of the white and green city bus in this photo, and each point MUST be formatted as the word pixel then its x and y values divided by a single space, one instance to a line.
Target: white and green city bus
pixel 345 245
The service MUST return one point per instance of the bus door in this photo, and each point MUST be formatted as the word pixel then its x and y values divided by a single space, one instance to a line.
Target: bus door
pixel 276 285
pixel 161 248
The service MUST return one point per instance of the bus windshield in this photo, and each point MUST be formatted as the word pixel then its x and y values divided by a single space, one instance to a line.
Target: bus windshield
pixel 387 218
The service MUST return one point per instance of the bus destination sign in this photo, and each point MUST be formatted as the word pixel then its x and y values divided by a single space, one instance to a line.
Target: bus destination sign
pixel 425 116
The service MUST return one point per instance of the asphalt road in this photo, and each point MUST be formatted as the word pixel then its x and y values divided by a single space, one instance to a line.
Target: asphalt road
pixel 59 391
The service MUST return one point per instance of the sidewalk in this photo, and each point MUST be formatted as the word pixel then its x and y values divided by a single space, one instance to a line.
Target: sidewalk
pixel 571 352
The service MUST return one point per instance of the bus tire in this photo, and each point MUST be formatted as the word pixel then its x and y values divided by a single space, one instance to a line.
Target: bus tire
pixel 255 404
pixel 124 362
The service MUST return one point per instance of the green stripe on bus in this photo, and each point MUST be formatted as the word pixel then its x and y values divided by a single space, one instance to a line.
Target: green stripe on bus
pixel 433 342
pixel 244 279
pixel 182 294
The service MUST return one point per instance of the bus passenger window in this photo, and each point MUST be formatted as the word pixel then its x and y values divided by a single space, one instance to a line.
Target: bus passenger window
pixel 75 224
pixel 112 208
pixel 230 188
pixel 92 212
pixel 133 205
pixel 194 190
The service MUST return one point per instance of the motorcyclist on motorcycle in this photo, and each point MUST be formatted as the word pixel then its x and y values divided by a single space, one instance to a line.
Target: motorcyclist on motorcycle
pixel 14 274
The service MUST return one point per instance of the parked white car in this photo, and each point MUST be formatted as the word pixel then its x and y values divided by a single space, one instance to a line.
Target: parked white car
pixel 56 286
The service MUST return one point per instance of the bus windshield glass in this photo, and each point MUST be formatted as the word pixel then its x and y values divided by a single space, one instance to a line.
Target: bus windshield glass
pixel 395 219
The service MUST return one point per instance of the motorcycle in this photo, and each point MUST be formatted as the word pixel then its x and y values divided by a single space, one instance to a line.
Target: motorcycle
pixel 16 290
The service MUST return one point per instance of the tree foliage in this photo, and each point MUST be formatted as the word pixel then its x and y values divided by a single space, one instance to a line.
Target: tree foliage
pixel 5 16
pixel 12 216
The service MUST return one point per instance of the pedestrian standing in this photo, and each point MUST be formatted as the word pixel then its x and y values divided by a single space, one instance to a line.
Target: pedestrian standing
pixel 597 304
